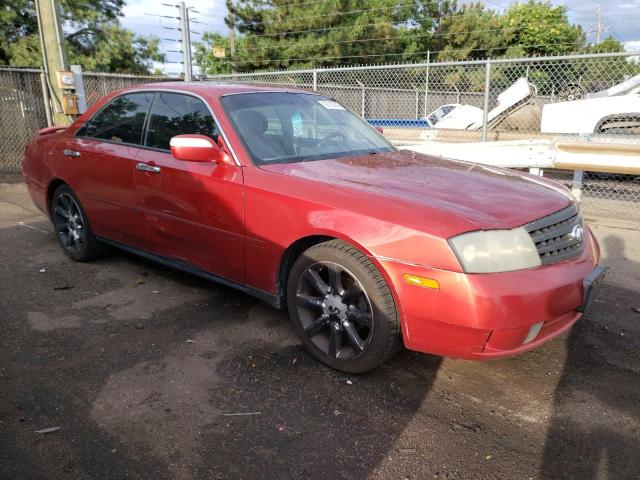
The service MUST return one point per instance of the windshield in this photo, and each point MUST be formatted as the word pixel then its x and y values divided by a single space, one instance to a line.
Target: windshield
pixel 296 127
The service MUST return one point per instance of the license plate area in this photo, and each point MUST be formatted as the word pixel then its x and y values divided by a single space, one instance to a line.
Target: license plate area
pixel 590 285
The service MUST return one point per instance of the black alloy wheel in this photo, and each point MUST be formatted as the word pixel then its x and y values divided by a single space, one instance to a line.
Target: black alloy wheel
pixel 69 224
pixel 334 309
pixel 72 227
pixel 342 308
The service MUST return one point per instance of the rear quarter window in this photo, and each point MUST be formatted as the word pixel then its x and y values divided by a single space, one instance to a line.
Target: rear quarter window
pixel 121 120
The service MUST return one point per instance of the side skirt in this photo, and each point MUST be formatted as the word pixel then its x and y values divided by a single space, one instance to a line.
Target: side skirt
pixel 273 300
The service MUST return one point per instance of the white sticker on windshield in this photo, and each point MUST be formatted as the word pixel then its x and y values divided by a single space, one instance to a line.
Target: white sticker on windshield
pixel 330 105
pixel 296 122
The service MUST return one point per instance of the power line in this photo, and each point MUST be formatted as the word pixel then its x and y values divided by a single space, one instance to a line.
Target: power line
pixel 388 23
pixel 405 53
pixel 496 4
pixel 315 2
pixel 335 14
pixel 384 38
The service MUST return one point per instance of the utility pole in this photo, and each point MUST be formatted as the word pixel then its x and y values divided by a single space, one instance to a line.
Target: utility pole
pixel 54 58
pixel 232 36
pixel 186 42
pixel 598 22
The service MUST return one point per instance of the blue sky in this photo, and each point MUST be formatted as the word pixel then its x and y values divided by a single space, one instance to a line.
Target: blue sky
pixel 621 18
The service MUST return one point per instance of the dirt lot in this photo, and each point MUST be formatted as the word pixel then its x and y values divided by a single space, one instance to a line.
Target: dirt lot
pixel 150 373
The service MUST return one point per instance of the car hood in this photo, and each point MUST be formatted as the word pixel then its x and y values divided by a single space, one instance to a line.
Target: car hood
pixel 488 197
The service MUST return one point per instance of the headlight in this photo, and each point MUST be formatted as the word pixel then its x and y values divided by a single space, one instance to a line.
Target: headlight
pixel 492 251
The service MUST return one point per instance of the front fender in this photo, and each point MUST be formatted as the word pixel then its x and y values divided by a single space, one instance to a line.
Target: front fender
pixel 275 220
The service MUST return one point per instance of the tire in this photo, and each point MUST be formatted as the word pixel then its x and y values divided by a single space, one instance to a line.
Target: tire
pixel 72 228
pixel 342 308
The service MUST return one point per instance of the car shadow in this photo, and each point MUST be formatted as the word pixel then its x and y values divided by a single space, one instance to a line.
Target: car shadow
pixel 159 386
pixel 312 422
pixel 583 441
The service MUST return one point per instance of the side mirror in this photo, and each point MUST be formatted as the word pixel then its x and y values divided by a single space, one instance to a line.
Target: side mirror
pixel 195 148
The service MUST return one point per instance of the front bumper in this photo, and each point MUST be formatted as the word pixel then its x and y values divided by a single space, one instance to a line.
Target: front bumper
pixel 485 316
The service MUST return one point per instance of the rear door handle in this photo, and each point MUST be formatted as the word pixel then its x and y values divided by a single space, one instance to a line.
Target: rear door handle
pixel 147 168
pixel 70 153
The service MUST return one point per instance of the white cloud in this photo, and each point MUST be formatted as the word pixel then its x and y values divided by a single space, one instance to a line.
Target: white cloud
pixel 632 46
pixel 618 17
pixel 147 17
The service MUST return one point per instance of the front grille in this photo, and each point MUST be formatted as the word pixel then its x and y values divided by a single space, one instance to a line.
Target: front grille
pixel 556 236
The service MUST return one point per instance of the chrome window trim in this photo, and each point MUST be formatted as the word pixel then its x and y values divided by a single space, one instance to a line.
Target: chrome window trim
pixel 170 90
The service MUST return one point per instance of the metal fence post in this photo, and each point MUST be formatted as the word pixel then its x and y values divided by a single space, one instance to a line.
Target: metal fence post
pixel 79 81
pixel 576 186
pixel 315 80
pixel 426 85
pixel 487 88
pixel 363 100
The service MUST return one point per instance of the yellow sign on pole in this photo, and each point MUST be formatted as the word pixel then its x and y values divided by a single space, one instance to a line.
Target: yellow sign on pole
pixel 219 52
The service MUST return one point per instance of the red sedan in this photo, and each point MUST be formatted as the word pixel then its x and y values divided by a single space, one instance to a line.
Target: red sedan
pixel 290 197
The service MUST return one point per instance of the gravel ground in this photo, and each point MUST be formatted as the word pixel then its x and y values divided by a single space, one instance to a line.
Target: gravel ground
pixel 151 373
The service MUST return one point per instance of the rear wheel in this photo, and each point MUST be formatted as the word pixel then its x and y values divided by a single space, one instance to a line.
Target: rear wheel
pixel 342 308
pixel 72 227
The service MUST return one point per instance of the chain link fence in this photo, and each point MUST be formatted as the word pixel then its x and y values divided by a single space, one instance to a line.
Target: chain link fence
pixel 582 98
pixel 97 85
pixel 524 98
pixel 22 113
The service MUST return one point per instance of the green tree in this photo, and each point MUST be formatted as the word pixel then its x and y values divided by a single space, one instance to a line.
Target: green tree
pixel 609 44
pixel 469 32
pixel 204 53
pixel 538 28
pixel 94 38
pixel 281 34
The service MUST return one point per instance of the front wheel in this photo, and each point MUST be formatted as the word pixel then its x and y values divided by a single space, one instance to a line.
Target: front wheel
pixel 342 308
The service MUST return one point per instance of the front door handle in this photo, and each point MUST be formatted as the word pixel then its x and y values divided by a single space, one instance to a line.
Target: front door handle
pixel 147 168
pixel 70 153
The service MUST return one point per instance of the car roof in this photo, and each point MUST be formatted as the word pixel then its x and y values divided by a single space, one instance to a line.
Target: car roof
pixel 215 89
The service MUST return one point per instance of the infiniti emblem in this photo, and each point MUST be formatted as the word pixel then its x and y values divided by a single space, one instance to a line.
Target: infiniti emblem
pixel 577 232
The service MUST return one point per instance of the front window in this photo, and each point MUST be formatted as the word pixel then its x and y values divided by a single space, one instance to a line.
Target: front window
pixel 177 114
pixel 296 127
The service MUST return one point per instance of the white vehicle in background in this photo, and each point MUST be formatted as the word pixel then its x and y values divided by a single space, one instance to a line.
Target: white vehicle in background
pixel 441 112
pixel 615 110
pixel 459 118
pixel 516 107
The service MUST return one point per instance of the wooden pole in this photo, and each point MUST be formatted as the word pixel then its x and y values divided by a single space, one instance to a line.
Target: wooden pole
pixel 54 56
